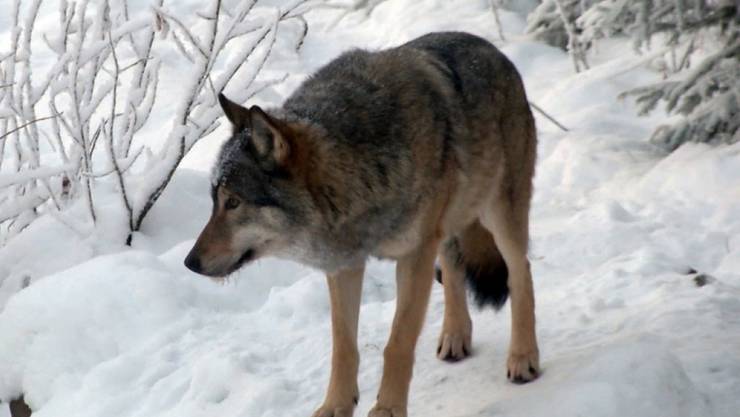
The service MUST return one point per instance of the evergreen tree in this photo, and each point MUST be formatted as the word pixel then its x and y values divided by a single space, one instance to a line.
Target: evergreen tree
pixel 708 95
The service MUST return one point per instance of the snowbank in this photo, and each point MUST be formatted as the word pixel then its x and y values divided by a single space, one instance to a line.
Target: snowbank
pixel 619 234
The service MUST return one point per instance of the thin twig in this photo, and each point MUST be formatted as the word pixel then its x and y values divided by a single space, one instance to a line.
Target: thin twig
pixel 181 47
pixel 685 59
pixel 25 202
pixel 128 163
pixel 6 56
pixel 145 80
pixel 45 183
pixel 28 175
pixel 550 118
pixel 267 84
pixel 184 29
pixel 182 142
pixel 119 174
pixel 494 7
pixel 82 126
pixel 135 63
pixel 304 31
pixel 574 45
pixel 25 125
pixel 182 149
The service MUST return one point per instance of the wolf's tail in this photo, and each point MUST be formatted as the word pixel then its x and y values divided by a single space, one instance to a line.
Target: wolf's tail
pixel 476 253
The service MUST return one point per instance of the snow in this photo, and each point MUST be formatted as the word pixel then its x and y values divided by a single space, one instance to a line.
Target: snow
pixel 619 231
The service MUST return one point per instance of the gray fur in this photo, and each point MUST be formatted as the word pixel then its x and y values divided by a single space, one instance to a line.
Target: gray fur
pixel 368 111
pixel 408 153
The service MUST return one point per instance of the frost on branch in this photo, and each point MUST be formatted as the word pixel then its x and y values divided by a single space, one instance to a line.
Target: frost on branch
pixel 197 111
pixel 581 23
pixel 547 21
pixel 82 115
pixel 554 21
pixel 707 96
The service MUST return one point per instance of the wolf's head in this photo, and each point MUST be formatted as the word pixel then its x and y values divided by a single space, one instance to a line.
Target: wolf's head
pixel 260 201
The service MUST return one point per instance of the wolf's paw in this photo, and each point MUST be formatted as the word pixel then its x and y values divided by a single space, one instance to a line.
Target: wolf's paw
pixel 523 367
pixel 380 411
pixel 454 342
pixel 327 410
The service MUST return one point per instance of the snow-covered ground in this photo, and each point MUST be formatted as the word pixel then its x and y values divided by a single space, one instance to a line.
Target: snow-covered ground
pixel 619 233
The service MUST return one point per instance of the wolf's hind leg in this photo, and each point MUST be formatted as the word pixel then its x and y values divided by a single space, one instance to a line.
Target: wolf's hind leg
pixel 345 291
pixel 472 258
pixel 457 328
pixel 414 278
pixel 508 222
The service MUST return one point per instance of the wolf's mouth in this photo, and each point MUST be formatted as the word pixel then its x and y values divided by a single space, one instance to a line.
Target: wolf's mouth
pixel 247 256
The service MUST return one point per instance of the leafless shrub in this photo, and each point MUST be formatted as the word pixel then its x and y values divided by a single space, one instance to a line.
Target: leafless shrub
pixel 102 91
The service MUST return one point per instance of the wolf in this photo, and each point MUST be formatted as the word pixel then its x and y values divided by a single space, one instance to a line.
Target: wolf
pixel 417 153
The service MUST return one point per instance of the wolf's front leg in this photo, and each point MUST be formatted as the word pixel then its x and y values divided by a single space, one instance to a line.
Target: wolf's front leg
pixel 414 276
pixel 345 291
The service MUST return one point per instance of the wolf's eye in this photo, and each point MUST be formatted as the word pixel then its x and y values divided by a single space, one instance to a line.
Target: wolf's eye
pixel 231 203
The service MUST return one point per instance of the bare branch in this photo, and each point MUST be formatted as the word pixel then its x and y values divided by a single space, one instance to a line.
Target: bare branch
pixel 575 49
pixel 32 174
pixel 184 29
pixel 550 118
pixel 267 84
pixel 111 152
pixel 181 47
pixel 6 134
pixel 77 88
pixel 304 32
pixel 133 64
pixel 123 165
pixel 29 201
pixel 494 7
pixel 187 129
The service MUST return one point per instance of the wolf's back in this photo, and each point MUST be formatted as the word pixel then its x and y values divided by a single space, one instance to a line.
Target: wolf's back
pixel 400 122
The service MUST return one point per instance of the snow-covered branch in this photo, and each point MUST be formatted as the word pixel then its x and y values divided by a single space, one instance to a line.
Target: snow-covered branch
pixel 707 95
pixel 103 88
pixel 197 114
pixel 575 48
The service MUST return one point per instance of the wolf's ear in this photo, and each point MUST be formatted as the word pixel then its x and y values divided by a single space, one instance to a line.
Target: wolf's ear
pixel 267 137
pixel 237 115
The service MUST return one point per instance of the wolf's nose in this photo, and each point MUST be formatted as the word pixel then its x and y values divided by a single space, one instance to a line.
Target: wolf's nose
pixel 192 262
